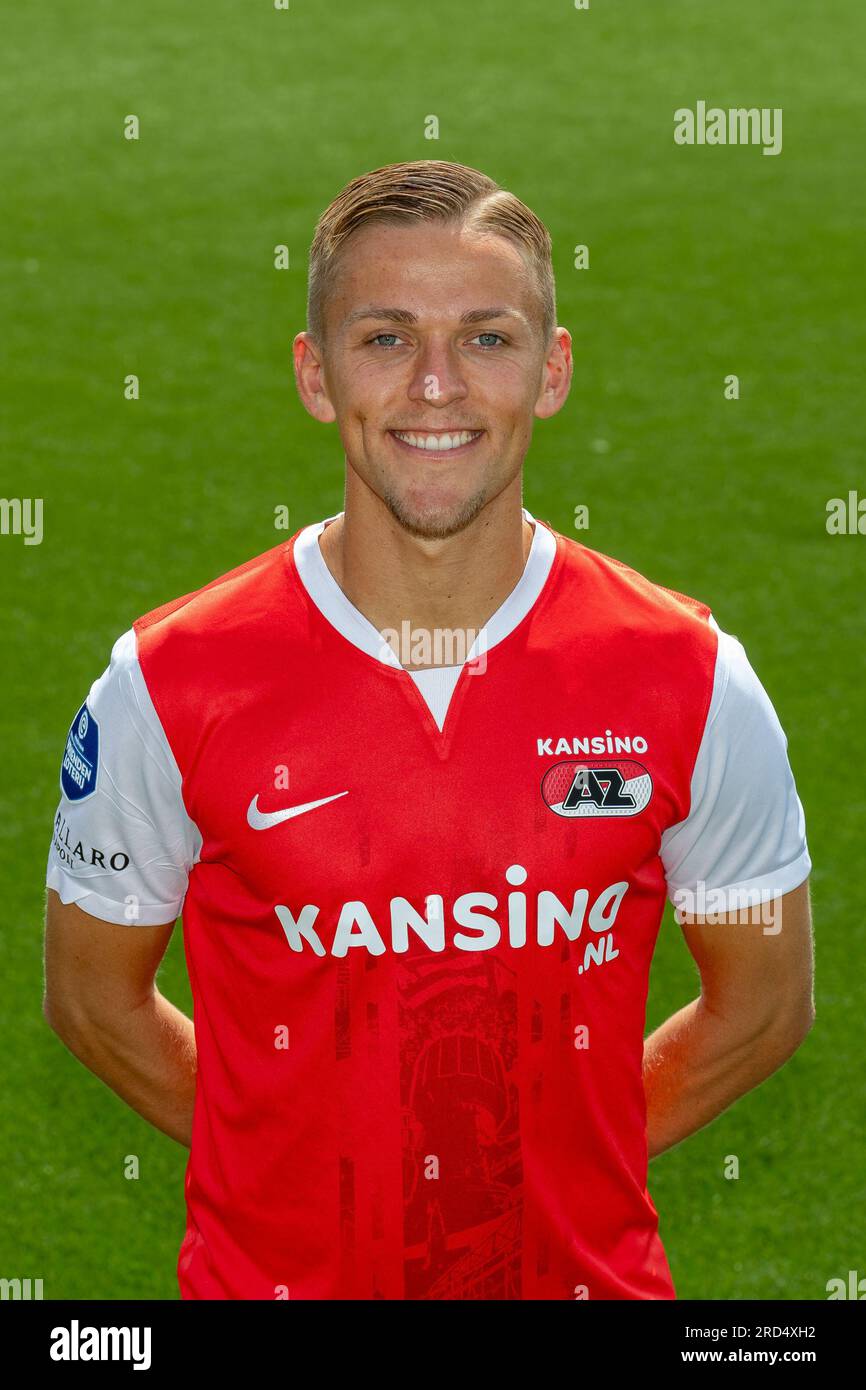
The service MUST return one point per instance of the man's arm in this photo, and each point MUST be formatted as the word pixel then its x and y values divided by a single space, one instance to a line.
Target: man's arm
pixel 755 1008
pixel 102 1002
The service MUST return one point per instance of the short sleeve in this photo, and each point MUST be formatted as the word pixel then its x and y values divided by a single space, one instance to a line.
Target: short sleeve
pixel 123 844
pixel 744 839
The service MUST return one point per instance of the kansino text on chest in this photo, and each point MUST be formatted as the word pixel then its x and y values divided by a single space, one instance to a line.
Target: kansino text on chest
pixel 475 921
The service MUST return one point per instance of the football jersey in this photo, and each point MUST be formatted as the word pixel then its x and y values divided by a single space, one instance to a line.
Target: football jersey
pixel 419 911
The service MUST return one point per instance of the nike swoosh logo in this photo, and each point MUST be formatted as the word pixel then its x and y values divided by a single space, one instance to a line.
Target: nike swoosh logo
pixel 263 820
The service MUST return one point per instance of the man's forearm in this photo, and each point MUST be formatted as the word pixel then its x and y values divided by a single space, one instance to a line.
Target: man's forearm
pixel 697 1063
pixel 147 1056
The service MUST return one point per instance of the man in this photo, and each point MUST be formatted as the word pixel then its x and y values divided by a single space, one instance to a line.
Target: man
pixel 420 896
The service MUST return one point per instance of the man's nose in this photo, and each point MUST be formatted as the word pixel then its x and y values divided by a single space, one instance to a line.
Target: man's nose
pixel 437 375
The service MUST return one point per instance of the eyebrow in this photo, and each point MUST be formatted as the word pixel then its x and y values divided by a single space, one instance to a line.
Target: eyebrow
pixel 394 315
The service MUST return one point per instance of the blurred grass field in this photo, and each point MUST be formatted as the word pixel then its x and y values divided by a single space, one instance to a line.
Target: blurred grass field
pixel 155 257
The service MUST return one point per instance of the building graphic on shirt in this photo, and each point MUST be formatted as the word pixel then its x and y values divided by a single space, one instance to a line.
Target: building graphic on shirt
pixel 463 1039
pixel 460 1108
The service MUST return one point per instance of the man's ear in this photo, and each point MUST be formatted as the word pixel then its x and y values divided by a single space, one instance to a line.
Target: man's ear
pixel 309 364
pixel 556 376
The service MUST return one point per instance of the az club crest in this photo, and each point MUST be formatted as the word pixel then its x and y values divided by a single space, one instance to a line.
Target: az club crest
pixel 611 787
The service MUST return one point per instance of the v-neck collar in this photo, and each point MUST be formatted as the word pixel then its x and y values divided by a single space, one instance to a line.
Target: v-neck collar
pixel 350 622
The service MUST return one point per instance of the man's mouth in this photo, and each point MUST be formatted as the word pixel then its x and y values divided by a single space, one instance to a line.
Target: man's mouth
pixel 443 442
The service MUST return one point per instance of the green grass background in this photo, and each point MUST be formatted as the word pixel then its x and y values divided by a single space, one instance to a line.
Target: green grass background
pixel 156 257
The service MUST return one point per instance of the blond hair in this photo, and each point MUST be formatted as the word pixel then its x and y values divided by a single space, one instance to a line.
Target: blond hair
pixel 427 190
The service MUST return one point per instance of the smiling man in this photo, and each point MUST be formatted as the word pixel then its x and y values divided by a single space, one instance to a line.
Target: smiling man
pixel 420 901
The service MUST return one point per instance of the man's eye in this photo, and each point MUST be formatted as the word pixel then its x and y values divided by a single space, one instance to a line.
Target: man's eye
pixel 482 338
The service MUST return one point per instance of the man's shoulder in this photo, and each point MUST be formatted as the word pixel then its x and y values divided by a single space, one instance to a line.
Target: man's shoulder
pixel 607 590
pixel 247 595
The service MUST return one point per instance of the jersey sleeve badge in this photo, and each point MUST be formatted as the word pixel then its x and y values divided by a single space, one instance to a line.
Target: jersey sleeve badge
pixel 81 757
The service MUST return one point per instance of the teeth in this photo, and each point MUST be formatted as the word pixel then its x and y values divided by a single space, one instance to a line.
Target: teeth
pixel 437 442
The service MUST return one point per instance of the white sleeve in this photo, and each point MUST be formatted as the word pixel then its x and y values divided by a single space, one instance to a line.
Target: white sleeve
pixel 123 844
pixel 744 839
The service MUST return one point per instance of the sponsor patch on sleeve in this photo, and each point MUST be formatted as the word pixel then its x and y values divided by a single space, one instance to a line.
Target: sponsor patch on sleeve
pixel 80 757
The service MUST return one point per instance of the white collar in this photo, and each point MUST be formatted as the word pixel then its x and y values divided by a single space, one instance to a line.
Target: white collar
pixel 333 604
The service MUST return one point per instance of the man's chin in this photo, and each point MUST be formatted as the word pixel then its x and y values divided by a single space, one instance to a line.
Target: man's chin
pixel 434 521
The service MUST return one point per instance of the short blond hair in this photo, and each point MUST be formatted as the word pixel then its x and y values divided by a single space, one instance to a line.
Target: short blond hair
pixel 427 190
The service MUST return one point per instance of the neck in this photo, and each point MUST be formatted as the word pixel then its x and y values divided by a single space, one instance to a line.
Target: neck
pixel 453 585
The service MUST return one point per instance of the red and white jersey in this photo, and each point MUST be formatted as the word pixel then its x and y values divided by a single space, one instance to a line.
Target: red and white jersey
pixel 419 911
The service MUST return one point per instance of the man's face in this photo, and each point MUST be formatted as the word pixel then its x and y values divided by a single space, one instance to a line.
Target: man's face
pixel 434 368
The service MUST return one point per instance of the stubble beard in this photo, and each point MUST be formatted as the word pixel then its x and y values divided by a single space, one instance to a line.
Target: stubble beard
pixel 434 524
